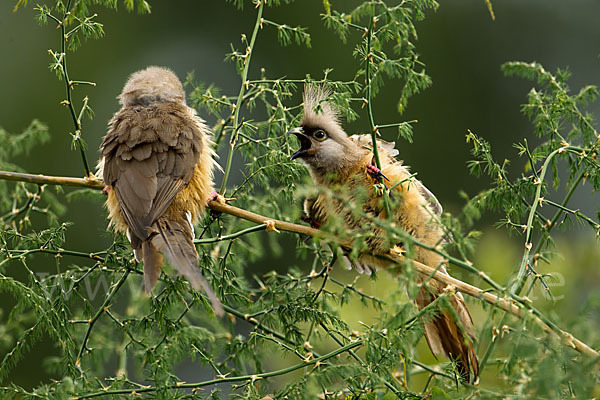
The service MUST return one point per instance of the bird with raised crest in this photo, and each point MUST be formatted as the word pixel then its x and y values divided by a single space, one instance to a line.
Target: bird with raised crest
pixel 157 165
pixel 336 160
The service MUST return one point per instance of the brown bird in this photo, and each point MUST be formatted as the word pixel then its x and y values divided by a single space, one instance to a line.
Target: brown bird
pixel 157 166
pixel 336 160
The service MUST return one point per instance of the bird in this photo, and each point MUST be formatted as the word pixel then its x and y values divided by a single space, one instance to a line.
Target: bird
pixel 336 160
pixel 157 166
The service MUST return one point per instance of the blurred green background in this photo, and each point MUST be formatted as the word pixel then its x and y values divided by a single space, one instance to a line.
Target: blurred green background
pixel 461 46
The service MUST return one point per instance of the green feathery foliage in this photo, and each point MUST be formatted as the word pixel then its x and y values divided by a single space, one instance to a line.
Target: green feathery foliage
pixel 112 341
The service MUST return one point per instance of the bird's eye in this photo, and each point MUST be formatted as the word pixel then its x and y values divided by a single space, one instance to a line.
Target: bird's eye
pixel 320 135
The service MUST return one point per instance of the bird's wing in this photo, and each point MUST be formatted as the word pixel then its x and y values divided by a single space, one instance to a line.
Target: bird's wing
pixel 149 155
pixel 389 148
pixel 433 202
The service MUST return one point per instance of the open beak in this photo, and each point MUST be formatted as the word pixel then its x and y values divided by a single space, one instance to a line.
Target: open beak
pixel 305 143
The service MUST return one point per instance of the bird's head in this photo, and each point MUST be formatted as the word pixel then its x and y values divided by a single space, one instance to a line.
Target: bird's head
pixel 152 85
pixel 324 146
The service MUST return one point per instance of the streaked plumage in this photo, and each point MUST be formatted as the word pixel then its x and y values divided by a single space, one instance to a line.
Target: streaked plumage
pixel 158 166
pixel 337 159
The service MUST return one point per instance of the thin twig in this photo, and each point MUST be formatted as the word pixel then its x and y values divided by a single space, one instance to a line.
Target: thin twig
pixel 232 236
pixel 523 268
pixel 359 360
pixel 238 105
pixel 100 311
pixel 68 83
pixel 374 130
pixel 316 361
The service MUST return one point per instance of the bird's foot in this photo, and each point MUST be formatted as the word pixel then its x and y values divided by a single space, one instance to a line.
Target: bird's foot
pixel 106 190
pixel 310 221
pixel 218 198
pixel 375 173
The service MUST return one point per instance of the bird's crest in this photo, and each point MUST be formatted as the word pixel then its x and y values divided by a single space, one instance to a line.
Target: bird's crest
pixel 318 111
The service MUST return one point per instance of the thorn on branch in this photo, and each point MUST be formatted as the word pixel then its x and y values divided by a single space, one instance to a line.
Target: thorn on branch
pixel 271 226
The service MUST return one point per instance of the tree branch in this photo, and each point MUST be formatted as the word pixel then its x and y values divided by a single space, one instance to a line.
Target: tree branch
pixel 274 225
pixel 52 180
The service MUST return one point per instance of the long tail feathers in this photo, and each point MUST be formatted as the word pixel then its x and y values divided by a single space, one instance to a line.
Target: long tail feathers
pixel 153 261
pixel 447 337
pixel 174 240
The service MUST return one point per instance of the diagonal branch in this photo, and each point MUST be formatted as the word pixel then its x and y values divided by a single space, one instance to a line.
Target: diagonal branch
pixel 511 306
